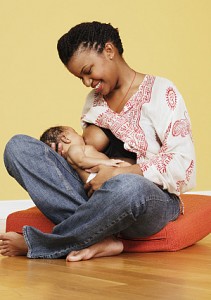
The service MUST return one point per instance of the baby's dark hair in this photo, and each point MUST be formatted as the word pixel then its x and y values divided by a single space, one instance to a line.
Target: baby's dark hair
pixel 52 135
pixel 92 35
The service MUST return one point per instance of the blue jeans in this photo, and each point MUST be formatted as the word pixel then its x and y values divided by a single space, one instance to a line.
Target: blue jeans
pixel 128 204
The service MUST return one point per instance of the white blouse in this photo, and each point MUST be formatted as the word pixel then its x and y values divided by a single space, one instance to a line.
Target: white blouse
pixel 154 124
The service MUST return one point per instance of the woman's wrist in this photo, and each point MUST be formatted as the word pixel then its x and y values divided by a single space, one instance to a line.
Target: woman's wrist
pixel 134 169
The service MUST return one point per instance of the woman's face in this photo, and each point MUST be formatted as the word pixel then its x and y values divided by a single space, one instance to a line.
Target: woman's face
pixel 96 70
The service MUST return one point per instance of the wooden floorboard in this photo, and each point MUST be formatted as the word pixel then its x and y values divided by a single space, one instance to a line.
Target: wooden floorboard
pixel 185 274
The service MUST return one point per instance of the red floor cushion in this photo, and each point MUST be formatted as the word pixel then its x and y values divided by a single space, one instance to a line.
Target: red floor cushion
pixel 32 217
pixel 189 228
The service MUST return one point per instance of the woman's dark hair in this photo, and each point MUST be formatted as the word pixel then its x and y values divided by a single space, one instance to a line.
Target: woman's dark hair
pixel 88 35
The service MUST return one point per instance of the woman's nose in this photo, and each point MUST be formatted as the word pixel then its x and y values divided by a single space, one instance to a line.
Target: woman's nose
pixel 87 81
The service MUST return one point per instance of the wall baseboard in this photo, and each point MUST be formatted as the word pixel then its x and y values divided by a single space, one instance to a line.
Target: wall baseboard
pixel 9 206
pixel 206 193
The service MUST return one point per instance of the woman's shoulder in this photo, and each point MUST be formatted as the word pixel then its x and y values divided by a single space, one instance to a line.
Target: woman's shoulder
pixel 155 82
pixel 162 85
pixel 162 81
pixel 165 91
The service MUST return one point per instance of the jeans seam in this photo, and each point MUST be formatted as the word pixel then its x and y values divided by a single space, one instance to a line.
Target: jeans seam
pixel 24 230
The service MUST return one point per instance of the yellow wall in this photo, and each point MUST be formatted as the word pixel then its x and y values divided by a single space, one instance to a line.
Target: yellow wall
pixel 170 38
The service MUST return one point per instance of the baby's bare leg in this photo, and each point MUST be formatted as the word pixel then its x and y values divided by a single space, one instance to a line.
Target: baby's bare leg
pixel 12 244
pixel 108 247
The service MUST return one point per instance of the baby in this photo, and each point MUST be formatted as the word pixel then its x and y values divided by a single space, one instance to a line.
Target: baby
pixel 79 155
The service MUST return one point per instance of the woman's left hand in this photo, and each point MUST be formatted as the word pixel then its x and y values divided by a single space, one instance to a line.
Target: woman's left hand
pixel 104 173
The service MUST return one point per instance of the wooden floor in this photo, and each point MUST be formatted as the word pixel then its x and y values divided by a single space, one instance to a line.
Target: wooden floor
pixel 181 275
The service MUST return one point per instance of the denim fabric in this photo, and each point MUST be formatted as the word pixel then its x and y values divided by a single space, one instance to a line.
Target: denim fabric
pixel 128 204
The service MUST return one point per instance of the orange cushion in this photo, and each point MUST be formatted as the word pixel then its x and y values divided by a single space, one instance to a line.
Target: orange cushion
pixel 32 217
pixel 189 228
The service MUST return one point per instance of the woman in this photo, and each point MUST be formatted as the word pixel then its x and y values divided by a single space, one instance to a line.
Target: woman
pixel 148 115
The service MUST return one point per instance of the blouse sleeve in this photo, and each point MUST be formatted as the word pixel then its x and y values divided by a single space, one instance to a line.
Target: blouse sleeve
pixel 87 106
pixel 93 108
pixel 174 166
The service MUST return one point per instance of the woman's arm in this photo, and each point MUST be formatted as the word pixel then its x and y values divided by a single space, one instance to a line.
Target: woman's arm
pixel 173 167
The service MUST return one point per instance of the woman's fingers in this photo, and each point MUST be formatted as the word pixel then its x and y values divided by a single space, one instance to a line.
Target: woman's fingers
pixel 58 147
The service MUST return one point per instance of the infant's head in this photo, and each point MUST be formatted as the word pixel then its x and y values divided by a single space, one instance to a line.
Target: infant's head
pixel 61 134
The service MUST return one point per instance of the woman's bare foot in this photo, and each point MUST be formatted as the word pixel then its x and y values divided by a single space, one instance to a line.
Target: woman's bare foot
pixel 107 247
pixel 12 244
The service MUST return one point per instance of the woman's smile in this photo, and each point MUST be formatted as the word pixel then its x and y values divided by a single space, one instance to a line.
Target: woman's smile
pixel 98 88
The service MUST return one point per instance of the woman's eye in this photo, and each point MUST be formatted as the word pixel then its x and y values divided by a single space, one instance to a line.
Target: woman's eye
pixel 88 72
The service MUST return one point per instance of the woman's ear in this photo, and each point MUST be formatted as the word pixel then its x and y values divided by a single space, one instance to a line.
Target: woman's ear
pixel 109 50
pixel 65 139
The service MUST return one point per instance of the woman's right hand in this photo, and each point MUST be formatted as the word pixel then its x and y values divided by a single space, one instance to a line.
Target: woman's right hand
pixel 59 149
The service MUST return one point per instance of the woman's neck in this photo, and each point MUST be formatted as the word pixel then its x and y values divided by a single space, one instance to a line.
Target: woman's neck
pixel 126 87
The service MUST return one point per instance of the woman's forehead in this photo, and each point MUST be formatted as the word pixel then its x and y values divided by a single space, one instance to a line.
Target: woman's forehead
pixel 82 58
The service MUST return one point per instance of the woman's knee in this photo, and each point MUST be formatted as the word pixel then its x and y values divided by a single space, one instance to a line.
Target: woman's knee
pixel 18 147
pixel 15 144
pixel 132 184
pixel 134 190
pixel 129 189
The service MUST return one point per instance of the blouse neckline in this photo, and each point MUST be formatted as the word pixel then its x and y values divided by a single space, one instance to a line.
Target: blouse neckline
pixel 128 104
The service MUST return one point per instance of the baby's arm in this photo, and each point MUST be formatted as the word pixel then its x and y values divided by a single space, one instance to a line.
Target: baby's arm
pixel 76 156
